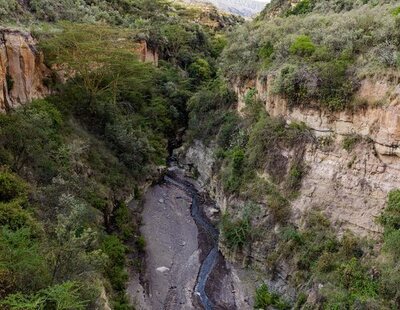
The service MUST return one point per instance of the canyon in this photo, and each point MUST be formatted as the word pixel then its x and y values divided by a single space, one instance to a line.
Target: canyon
pixel 186 265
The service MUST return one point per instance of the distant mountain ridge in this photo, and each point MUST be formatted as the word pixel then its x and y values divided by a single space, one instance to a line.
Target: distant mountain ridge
pixel 245 8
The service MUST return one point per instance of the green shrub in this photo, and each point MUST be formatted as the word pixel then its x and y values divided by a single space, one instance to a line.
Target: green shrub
pixel 302 46
pixel 232 175
pixel 236 233
pixel 229 129
pixel 123 221
pixel 349 142
pixel 355 279
pixel 296 174
pixel 200 70
pixel 31 135
pixel 264 299
pixel 8 8
pixel 141 243
pixel 390 218
pixel 115 250
pixel 396 11
pixel 21 254
pixel 266 52
pixel 280 207
pixel 207 110
pixel 392 242
pixel 62 296
pixel 11 187
pixel 13 216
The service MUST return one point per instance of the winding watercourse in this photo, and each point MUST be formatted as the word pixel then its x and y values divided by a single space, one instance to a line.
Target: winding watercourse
pixel 202 222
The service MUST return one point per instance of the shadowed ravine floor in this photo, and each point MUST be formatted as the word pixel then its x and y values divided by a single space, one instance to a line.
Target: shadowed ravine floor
pixel 184 269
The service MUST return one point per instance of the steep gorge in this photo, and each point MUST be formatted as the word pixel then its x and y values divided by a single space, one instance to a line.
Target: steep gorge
pixel 339 165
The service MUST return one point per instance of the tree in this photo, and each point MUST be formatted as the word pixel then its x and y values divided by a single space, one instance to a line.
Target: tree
pixel 200 70
pixel 30 136
pixel 74 250
pixel 101 59
pixel 302 46
pixel 63 296
pixel 21 255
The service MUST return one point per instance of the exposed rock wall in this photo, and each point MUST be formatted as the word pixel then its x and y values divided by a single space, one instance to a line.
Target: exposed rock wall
pixel 350 187
pixel 22 71
pixel 200 157
pixel 146 54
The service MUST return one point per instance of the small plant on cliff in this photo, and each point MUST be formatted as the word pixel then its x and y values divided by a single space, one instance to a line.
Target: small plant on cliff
pixel 264 299
pixel 296 174
pixel 349 142
pixel 236 233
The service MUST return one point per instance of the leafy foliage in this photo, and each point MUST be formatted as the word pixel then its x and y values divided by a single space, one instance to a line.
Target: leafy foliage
pixel 302 46
pixel 264 299
pixel 315 59
pixel 236 233
pixel 68 162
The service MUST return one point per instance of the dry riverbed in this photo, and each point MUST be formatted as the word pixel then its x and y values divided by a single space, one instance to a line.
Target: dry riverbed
pixel 175 250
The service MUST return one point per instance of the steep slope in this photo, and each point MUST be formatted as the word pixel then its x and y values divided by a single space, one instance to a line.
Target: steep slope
pixel 300 149
pixel 115 77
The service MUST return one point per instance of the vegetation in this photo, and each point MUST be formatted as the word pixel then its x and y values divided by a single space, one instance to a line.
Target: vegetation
pixel 349 142
pixel 313 56
pixel 312 52
pixel 264 299
pixel 69 161
pixel 236 234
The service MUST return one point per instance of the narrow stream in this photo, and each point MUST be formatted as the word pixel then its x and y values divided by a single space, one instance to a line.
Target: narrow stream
pixel 202 222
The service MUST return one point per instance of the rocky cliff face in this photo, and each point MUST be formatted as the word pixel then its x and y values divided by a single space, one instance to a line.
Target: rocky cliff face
pixel 349 186
pixel 200 160
pixel 22 71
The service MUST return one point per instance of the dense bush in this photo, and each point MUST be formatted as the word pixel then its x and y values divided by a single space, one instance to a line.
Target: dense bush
pixel 302 46
pixel 207 110
pixel 315 58
pixel 390 219
pixel 39 124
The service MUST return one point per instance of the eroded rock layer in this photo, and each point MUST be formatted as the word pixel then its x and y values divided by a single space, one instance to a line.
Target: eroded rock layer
pixel 22 70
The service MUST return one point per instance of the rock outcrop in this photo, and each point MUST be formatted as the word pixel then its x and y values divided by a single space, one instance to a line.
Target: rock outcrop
pixel 147 54
pixel 350 187
pixel 22 70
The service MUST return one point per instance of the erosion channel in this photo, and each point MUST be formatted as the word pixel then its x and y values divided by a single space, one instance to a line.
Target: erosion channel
pixel 183 267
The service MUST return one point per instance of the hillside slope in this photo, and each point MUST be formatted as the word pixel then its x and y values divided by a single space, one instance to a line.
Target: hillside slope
pixel 300 148
pixel 91 101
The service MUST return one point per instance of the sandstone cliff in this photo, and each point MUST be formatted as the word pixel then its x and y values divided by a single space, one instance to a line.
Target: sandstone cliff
pixel 350 187
pixel 22 70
